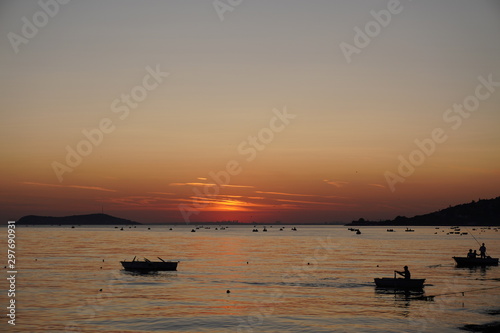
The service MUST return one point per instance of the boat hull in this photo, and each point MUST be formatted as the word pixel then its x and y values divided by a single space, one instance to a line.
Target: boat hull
pixel 469 262
pixel 399 283
pixel 149 266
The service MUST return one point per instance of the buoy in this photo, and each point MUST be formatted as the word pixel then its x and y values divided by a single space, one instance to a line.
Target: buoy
pixel 228 291
pixel 100 289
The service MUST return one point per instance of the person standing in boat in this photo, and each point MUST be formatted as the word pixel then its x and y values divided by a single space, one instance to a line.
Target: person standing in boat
pixel 406 273
pixel 482 251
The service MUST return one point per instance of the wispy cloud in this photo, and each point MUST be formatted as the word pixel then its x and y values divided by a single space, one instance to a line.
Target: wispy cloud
pixel 284 193
pixel 301 195
pixel 377 185
pixel 209 184
pixel 147 202
pixel 316 202
pixel 241 186
pixel 162 193
pixel 337 184
pixel 192 184
pixel 81 187
pixel 228 196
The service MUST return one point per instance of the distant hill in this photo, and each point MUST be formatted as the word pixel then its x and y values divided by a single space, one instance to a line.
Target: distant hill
pixel 90 219
pixel 482 212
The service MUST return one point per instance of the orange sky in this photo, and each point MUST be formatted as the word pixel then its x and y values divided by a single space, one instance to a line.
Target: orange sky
pixel 135 106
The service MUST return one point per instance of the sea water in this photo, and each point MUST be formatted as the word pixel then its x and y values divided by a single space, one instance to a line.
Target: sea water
pixel 315 279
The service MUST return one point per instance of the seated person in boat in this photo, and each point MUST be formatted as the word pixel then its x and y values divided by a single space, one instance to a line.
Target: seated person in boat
pixel 406 273
pixel 474 255
pixel 482 251
pixel 470 254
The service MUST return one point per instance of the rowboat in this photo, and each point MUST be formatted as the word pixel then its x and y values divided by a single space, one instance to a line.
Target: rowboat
pixel 469 262
pixel 149 266
pixel 399 283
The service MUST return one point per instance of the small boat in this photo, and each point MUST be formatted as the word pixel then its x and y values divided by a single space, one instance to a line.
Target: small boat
pixel 398 283
pixel 469 262
pixel 390 230
pixel 149 266
pixel 409 230
pixel 358 232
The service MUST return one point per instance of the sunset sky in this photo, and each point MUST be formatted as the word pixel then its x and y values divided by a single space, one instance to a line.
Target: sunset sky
pixel 253 110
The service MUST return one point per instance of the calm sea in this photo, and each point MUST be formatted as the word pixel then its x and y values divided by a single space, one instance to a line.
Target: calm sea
pixel 315 279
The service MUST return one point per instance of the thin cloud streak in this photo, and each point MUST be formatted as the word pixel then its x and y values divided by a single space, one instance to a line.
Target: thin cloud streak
pixel 162 193
pixel 209 184
pixel 81 187
pixel 377 185
pixel 337 184
pixel 302 195
pixel 192 184
pixel 290 194
pixel 317 203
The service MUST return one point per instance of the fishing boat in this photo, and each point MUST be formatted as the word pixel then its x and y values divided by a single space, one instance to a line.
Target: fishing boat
pixel 147 265
pixel 470 262
pixel 398 283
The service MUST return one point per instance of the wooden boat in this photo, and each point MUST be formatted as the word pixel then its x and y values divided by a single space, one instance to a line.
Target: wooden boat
pixel 149 266
pixel 399 283
pixel 469 262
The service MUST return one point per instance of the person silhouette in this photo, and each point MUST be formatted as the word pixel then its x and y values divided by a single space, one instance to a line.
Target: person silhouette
pixel 482 251
pixel 470 254
pixel 406 273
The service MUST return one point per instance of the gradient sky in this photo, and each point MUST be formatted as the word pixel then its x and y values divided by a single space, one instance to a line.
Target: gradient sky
pixel 227 79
